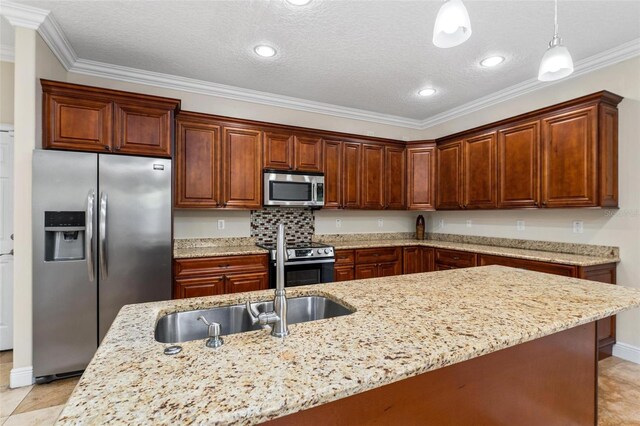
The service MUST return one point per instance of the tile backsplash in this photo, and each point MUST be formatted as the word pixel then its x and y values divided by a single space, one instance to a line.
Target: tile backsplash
pixel 299 224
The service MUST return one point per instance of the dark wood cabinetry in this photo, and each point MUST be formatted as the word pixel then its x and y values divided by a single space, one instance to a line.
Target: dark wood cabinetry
pixel 421 177
pixel 378 262
pixel 519 165
pixel 449 181
pixel 373 172
pixel 219 275
pixel 479 171
pixel 197 164
pixel 417 259
pixel 395 178
pixel 344 266
pixel 278 151
pixel 351 175
pixel 332 152
pixel 532 265
pixel 454 259
pixel 83 118
pixel 241 171
pixel 288 151
pixel 308 153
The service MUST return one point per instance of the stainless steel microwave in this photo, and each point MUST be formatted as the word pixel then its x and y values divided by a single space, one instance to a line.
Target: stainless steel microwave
pixel 293 189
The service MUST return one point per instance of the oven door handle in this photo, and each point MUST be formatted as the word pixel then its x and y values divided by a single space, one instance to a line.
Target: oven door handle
pixel 308 262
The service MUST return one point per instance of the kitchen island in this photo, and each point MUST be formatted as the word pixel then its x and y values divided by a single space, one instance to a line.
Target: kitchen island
pixel 405 328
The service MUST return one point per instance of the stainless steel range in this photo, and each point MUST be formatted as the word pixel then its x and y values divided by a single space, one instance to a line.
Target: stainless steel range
pixel 310 263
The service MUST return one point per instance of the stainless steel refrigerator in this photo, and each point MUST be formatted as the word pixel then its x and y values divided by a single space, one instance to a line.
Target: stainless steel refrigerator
pixel 101 240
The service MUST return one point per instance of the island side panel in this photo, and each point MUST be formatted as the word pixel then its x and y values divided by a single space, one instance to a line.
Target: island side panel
pixel 550 381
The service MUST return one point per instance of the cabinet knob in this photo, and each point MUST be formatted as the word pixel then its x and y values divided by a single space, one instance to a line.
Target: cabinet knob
pixel 544 203
pixel 535 203
pixel 107 148
pixel 117 148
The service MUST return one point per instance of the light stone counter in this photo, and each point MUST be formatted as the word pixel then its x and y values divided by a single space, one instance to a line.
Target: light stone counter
pixel 409 325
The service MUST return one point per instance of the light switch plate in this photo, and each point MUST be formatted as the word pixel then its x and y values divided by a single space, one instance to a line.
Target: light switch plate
pixel 520 225
pixel 441 223
pixel 380 223
pixel 220 224
pixel 469 223
pixel 578 227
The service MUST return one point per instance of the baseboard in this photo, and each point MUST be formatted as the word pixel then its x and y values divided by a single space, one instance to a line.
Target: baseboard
pixel 627 352
pixel 22 376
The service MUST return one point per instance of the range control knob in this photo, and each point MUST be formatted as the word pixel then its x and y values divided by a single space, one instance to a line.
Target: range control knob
pixel 319 251
pixel 327 251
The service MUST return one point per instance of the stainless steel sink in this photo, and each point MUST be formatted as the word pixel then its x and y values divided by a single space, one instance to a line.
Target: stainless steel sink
pixel 184 326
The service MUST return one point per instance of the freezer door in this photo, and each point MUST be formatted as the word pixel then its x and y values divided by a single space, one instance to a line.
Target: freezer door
pixel 134 221
pixel 64 258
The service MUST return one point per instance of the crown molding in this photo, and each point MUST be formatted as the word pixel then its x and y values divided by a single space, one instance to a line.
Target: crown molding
pixel 55 38
pixel 7 53
pixel 604 59
pixel 20 15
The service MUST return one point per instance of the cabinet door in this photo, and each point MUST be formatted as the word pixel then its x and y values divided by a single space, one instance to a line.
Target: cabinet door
pixel 449 161
pixel 411 260
pixel 480 172
pixel 366 271
pixel 389 269
pixel 332 151
pixel 569 160
pixel 198 287
pixel 421 172
pixel 428 257
pixel 607 326
pixel 242 160
pixel 395 178
pixel 519 166
pixel 278 151
pixel 351 175
pixel 246 282
pixel 308 153
pixel 81 124
pixel 372 177
pixel 197 171
pixel 142 130
pixel 343 273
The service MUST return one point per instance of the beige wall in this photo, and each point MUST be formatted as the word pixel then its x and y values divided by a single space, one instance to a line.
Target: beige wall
pixel 601 226
pixel 6 92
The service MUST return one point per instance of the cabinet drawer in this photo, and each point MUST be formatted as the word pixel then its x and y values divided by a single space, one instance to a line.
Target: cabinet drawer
pixel 220 265
pixel 378 255
pixel 345 257
pixel 246 282
pixel 458 259
pixel 531 265
pixel 344 273
pixel 198 287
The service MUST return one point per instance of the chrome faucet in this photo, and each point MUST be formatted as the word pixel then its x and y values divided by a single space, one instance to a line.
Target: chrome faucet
pixel 277 319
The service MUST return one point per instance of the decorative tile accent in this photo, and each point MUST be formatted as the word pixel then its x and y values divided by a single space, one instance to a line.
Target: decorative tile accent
pixel 299 223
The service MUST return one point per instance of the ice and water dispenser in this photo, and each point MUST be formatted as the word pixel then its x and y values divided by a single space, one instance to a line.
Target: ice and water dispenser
pixel 64 236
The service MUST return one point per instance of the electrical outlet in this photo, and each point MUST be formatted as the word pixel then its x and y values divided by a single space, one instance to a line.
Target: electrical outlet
pixel 220 224
pixel 380 223
pixel 441 223
pixel 338 223
pixel 578 227
pixel 520 225
pixel 469 223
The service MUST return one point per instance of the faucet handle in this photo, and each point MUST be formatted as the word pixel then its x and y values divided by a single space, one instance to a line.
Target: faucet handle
pixel 214 340
pixel 262 318
pixel 254 315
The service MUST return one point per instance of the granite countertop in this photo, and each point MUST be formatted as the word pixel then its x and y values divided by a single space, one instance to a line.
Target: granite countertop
pixel 423 322
pixel 539 255
pixel 194 252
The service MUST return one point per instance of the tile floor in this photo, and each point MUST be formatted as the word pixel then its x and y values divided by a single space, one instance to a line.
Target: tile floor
pixel 618 396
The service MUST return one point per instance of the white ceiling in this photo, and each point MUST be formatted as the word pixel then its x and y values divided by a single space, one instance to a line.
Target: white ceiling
pixel 370 55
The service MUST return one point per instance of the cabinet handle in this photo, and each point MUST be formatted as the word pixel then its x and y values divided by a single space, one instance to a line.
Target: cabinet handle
pixel 456 258
pixel 544 203
pixel 117 148
pixel 107 148
pixel 535 203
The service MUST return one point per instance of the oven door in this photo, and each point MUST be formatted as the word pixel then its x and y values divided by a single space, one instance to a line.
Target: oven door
pixel 304 272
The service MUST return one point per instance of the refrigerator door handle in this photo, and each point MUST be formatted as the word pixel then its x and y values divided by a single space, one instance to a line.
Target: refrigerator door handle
pixel 102 224
pixel 88 240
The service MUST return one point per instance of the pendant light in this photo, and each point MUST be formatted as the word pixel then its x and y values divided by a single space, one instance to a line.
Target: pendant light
pixel 556 62
pixel 452 26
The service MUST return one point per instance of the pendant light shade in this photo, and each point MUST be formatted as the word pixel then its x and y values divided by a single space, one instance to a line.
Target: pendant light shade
pixel 452 26
pixel 556 62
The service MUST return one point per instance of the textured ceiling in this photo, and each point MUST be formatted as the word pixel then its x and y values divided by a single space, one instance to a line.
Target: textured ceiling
pixel 370 55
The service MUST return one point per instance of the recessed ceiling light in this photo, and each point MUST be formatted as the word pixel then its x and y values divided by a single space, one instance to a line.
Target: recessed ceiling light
pixel 492 61
pixel 299 2
pixel 427 92
pixel 264 51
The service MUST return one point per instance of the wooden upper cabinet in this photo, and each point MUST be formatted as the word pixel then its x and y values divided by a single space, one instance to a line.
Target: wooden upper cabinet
pixel 395 177
pixel 449 182
pixel 351 175
pixel 421 177
pixel 142 130
pixel 480 189
pixel 278 151
pixel 242 168
pixel 608 155
pixel 519 165
pixel 77 123
pixel 569 159
pixel 84 118
pixel 332 152
pixel 197 159
pixel 373 177
pixel 308 153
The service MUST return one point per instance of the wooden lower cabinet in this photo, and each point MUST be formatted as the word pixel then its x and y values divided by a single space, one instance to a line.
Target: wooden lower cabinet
pixel 344 273
pixel 366 271
pixel 454 259
pixel 606 328
pixel 344 269
pixel 209 276
pixel 378 262
pixel 417 259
